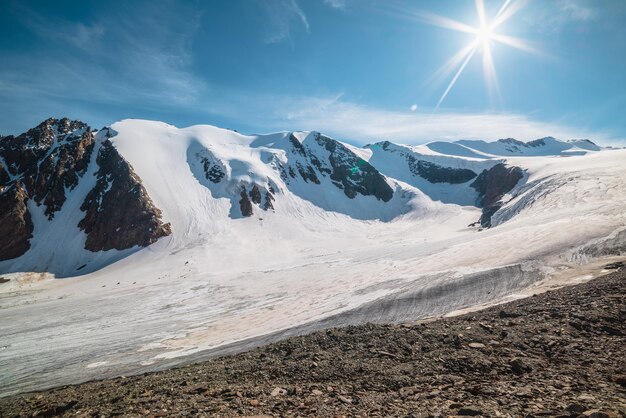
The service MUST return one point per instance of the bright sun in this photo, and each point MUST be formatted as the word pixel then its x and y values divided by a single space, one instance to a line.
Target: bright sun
pixel 484 35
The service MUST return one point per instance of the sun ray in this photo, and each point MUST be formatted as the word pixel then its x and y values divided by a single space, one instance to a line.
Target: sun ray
pixel 516 43
pixel 448 68
pixel 502 9
pixel 485 37
pixel 442 22
pixel 456 76
pixel 400 11
pixel 480 9
pixel 491 78
pixel 508 9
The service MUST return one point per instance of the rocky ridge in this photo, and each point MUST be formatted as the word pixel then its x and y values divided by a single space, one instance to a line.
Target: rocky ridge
pixel 492 185
pixel 310 160
pixel 45 165
pixel 420 166
pixel 16 225
pixel 119 214
pixel 49 160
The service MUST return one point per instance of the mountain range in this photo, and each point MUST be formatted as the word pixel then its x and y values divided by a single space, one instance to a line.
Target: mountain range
pixel 62 175
pixel 174 241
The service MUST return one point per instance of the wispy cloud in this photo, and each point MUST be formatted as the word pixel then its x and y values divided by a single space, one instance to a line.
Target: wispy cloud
pixel 282 15
pixel 143 56
pixel 554 17
pixel 334 115
pixel 576 10
pixel 75 34
pixel 336 4
pixel 361 124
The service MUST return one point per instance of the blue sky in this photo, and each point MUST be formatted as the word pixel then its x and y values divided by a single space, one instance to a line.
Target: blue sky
pixel 360 70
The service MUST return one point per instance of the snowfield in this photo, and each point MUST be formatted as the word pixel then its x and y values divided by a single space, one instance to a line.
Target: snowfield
pixel 318 259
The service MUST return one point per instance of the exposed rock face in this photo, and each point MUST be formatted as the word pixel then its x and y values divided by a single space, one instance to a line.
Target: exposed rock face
pixel 119 212
pixel 244 204
pixel 492 185
pixel 4 177
pixel 269 199
pixel 432 172
pixel 46 163
pixel 243 194
pixel 255 194
pixel 16 226
pixel 49 160
pixel 513 145
pixel 254 197
pixel 214 169
pixel 435 173
pixel 353 174
pixel 346 170
pixel 42 164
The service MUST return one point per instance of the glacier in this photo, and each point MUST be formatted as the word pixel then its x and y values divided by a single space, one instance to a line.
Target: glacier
pixel 222 282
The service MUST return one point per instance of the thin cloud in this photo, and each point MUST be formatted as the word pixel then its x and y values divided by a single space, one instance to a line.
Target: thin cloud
pixel 79 35
pixel 145 56
pixel 362 124
pixel 554 17
pixel 576 10
pixel 281 16
pixel 336 4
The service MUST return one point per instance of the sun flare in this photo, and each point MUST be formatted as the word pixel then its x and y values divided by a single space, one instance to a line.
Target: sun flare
pixel 484 36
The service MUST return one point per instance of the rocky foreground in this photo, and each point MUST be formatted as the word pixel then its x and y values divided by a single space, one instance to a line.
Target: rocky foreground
pixel 562 353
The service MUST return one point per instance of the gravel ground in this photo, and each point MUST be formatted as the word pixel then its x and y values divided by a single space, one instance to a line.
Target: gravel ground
pixel 561 353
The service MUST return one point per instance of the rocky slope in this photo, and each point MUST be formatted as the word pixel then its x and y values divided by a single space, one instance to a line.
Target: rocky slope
pixel 119 214
pixel 492 185
pixel 304 165
pixel 555 354
pixel 16 225
pixel 428 168
pixel 45 165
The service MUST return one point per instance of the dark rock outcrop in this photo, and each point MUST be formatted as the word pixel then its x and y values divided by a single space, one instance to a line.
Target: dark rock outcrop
pixel 119 214
pixel 255 197
pixel 213 170
pixel 353 174
pixel 255 194
pixel 16 226
pixel 513 144
pixel 435 173
pixel 245 204
pixel 492 185
pixel 4 177
pixel 319 157
pixel 49 160
pixel 269 199
pixel 307 173
pixel 43 164
pixel 432 172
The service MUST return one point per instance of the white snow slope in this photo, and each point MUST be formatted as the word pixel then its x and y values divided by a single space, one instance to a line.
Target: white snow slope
pixel 222 278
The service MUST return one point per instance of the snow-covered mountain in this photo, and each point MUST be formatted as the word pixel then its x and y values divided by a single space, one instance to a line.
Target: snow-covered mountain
pixel 176 240
pixel 65 187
